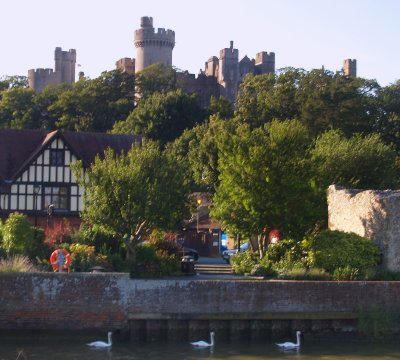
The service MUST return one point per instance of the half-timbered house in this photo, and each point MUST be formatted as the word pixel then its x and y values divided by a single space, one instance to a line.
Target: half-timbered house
pixel 35 174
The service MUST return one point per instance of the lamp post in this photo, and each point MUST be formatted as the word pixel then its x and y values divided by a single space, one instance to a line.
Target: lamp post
pixel 198 210
pixel 36 190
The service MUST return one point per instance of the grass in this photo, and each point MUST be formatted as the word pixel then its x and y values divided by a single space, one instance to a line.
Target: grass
pixel 17 263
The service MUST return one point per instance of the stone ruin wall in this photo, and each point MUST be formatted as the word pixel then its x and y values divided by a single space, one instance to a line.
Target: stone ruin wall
pixel 373 214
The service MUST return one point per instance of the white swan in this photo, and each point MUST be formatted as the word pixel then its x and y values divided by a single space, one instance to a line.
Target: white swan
pixel 290 345
pixel 203 344
pixel 102 344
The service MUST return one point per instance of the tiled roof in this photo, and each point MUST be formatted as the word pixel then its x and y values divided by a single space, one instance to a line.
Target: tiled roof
pixel 19 147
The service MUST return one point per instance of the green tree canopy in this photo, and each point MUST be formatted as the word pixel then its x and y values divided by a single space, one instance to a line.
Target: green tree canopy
pixel 95 105
pixel 358 162
pixel 329 100
pixel 162 117
pixel 155 78
pixel 17 109
pixel 264 181
pixel 129 195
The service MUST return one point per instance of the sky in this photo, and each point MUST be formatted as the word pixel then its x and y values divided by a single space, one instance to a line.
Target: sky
pixel 304 34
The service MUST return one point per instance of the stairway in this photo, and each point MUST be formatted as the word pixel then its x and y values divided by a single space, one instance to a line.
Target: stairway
pixel 213 269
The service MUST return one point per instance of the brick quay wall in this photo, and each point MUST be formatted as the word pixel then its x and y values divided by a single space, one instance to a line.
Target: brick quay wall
pixel 182 307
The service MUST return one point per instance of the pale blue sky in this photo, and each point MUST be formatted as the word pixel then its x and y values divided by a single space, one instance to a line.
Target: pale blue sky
pixel 303 33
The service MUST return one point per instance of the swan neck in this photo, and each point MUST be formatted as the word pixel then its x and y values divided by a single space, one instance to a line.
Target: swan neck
pixel 212 339
pixel 298 339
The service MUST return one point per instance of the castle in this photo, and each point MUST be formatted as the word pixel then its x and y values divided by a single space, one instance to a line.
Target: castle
pixel 64 71
pixel 221 76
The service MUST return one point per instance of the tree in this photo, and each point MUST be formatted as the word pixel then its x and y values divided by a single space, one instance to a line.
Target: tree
pixel 17 109
pixel 263 98
pixel 43 102
pixel 17 234
pixel 264 181
pixel 220 106
pixel 358 162
pixel 129 195
pixel 388 122
pixel 162 117
pixel 95 105
pixel 329 100
pixel 155 78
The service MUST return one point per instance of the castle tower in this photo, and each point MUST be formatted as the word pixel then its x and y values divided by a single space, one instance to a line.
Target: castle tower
pixel 65 65
pixel 64 71
pixel 228 72
pixel 350 67
pixel 126 65
pixel 153 47
pixel 265 63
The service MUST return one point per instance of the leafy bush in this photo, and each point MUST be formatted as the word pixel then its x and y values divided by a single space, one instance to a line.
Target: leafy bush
pixel 154 261
pixel 103 240
pixel 84 257
pixel 17 263
pixel 263 270
pixel 331 250
pixel 286 252
pixel 243 262
pixel 17 234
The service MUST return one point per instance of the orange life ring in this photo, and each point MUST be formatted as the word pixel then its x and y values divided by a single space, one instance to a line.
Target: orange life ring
pixel 54 259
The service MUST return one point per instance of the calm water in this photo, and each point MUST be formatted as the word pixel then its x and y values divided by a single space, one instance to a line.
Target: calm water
pixel 56 347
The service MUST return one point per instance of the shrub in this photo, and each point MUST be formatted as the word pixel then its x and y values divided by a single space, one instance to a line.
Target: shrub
pixel 243 262
pixel 84 257
pixel 265 271
pixel 331 250
pixel 153 261
pixel 97 236
pixel 17 234
pixel 16 263
pixel 286 252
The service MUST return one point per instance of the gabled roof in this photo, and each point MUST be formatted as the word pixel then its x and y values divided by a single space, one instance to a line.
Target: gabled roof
pixel 18 148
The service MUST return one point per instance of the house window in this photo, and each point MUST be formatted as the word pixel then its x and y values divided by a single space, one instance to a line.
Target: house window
pixel 56 157
pixel 56 195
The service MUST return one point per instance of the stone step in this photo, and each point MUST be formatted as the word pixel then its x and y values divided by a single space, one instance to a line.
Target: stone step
pixel 213 269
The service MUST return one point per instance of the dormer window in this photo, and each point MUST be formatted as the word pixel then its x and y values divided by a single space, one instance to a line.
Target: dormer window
pixel 56 157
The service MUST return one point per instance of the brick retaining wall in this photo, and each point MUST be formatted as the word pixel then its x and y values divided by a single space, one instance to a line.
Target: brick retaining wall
pixel 114 301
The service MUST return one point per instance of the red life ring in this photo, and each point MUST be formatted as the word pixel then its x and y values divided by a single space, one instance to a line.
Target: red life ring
pixel 54 259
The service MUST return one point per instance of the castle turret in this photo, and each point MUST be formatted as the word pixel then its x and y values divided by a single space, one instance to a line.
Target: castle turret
pixel 228 72
pixel 126 65
pixel 153 47
pixel 265 63
pixel 350 67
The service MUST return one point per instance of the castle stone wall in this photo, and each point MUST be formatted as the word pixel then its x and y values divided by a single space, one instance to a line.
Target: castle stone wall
pixel 373 214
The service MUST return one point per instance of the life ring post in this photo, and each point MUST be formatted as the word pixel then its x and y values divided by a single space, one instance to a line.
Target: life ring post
pixel 60 260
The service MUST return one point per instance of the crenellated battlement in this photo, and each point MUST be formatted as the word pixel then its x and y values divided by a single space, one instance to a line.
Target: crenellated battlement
pixel 41 72
pixel 147 36
pixel 153 46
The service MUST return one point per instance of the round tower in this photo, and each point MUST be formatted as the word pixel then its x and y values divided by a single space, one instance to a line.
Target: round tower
pixel 153 47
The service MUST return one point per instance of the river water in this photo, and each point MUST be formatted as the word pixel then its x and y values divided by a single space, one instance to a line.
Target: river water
pixel 73 347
